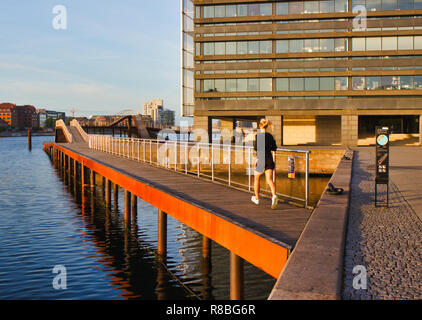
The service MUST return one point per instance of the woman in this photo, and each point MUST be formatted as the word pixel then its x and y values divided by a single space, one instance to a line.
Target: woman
pixel 264 144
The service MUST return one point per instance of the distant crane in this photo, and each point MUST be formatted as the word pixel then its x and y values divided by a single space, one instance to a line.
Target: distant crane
pixel 73 111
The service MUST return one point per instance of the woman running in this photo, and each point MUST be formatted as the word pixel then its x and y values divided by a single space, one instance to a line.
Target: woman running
pixel 264 144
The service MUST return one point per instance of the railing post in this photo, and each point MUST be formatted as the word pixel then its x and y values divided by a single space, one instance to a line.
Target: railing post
pixel 249 169
pixel 212 161
pixel 230 163
pixel 199 160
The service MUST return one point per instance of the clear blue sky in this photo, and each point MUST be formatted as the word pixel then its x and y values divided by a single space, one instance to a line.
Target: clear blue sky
pixel 114 55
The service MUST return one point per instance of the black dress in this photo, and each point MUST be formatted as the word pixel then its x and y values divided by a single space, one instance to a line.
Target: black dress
pixel 264 144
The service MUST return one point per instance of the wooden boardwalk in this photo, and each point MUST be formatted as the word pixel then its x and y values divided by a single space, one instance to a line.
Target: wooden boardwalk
pixel 168 190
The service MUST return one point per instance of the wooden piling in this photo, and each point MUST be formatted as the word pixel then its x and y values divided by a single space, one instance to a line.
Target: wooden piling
pixel 108 193
pixel 127 207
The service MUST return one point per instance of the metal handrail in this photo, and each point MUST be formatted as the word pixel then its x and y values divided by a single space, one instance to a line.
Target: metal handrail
pixel 132 148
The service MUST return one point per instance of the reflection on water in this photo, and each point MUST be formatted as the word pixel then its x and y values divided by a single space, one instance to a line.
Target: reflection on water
pixel 44 223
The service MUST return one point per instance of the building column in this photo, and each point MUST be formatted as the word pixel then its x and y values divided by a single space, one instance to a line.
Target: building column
pixel 277 128
pixel 202 126
pixel 349 130
pixel 227 127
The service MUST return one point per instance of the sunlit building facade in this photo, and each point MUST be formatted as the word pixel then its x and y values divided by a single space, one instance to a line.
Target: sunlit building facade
pixel 324 72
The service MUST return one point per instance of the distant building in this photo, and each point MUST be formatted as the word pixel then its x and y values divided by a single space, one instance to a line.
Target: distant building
pixel 3 124
pixel 154 109
pixel 18 116
pixel 168 118
pixel 159 115
pixel 43 115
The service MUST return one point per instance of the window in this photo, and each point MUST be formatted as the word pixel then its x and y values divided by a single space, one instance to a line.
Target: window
pixel 219 48
pixel 326 6
pixel 231 11
pixel 265 84
pixel 220 11
pixel 295 45
pixel 282 8
pixel 373 5
pixel 405 43
pixel 253 47
pixel 389 82
pixel 296 84
pixel 296 7
pixel 282 46
pixel 389 43
pixel 373 44
pixel 311 7
pixel 242 10
pixel 253 85
pixel 208 48
pixel 197 49
pixel 417 82
pixel 242 47
pixel 405 4
pixel 417 4
pixel 418 42
pixel 208 85
pixel 373 83
pixel 311 45
pixel 266 47
pixel 327 45
pixel 326 83
pixel 242 85
pixel 220 85
pixel 253 10
pixel 340 5
pixel 358 44
pixel 405 83
pixel 311 84
pixel 231 85
pixel 209 12
pixel 266 9
pixel 389 4
pixel 282 84
pixel 358 83
pixel 230 47
pixel 340 44
pixel 341 83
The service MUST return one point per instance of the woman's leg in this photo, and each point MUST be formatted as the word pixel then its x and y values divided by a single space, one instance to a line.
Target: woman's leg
pixel 256 183
pixel 269 178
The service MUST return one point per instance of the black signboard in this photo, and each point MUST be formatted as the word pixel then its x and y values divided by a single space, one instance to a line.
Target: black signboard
pixel 382 160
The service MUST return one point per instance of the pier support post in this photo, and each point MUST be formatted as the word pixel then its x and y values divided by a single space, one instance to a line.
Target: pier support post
pixel 116 196
pixel 134 202
pixel 162 233
pixel 127 207
pixel 29 140
pixel 108 193
pixel 236 277
pixel 206 248
pixel 92 179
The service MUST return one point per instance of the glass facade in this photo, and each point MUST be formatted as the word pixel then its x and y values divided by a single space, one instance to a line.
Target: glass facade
pixel 278 50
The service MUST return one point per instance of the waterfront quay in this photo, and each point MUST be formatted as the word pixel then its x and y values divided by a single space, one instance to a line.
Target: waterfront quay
pixel 312 252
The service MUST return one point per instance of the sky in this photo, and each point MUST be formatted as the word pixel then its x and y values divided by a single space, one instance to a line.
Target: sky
pixel 112 56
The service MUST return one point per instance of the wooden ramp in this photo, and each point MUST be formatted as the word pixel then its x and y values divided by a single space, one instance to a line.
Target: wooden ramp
pixel 262 236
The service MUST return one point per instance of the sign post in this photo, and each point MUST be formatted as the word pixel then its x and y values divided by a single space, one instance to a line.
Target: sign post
pixel 382 162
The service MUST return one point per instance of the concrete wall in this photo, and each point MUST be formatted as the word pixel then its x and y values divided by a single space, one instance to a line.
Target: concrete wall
pixel 349 130
pixel 312 130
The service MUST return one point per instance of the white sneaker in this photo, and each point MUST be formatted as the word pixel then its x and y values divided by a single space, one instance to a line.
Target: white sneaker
pixel 255 200
pixel 274 202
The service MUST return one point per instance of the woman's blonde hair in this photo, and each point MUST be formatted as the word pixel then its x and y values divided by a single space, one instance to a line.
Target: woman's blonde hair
pixel 264 124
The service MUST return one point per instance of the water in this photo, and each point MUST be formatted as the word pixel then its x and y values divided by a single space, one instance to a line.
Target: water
pixel 44 225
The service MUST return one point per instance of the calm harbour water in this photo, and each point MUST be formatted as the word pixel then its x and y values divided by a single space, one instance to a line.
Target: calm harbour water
pixel 42 225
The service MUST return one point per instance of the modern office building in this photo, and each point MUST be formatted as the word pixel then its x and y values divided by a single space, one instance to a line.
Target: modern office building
pixel 324 72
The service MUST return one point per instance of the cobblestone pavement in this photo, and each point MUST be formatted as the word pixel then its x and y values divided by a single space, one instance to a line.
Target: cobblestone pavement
pixel 387 242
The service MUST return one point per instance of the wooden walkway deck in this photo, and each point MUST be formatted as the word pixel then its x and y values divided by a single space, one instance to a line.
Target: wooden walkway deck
pixel 170 191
